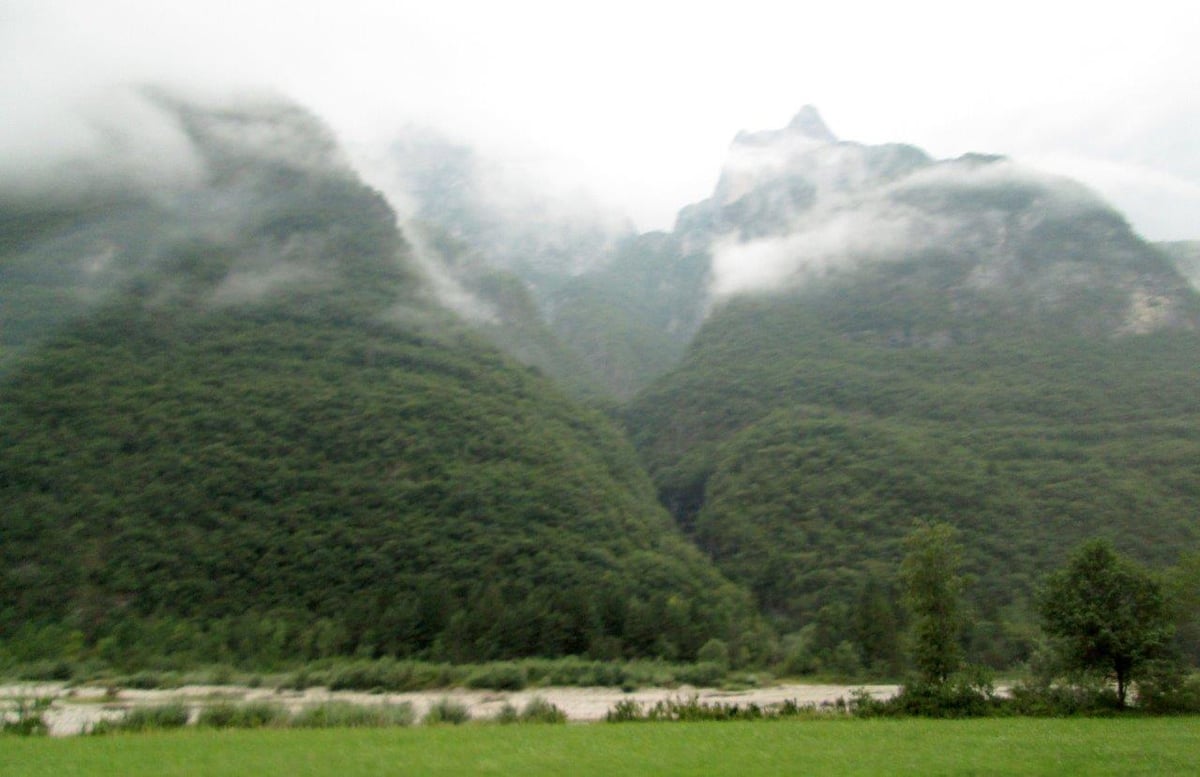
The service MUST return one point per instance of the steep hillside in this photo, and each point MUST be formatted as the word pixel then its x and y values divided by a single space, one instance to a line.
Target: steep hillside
pixel 631 320
pixel 553 279
pixel 898 339
pixel 499 249
pixel 244 432
pixel 1186 256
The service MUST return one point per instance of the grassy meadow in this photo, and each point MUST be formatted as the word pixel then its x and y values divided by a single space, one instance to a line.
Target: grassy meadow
pixel 842 747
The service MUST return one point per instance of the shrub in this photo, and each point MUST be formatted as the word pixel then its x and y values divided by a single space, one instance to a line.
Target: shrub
pixel 30 719
pixel 799 658
pixel 163 716
pixel 507 715
pixel 146 681
pixel 250 715
pixel 446 711
pixel 692 709
pixel 500 677
pixel 1082 696
pixel 703 674
pixel 624 711
pixel 361 676
pixel 1166 690
pixel 46 671
pixel 389 675
pixel 715 651
pixel 538 710
pixel 966 694
pixel 605 674
pixel 347 715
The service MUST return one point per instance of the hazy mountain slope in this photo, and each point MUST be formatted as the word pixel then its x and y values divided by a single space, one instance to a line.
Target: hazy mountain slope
pixel 631 320
pixel 1186 256
pixel 503 308
pixel 610 310
pixel 499 248
pixel 251 436
pixel 963 341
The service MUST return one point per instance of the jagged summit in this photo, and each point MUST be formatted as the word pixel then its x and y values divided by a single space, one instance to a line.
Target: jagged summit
pixel 808 122
pixel 806 129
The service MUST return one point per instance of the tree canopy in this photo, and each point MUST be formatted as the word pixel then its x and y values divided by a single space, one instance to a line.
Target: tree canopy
pixel 932 592
pixel 1107 614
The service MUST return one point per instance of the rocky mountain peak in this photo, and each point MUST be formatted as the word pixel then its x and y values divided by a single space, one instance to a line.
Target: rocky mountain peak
pixel 808 122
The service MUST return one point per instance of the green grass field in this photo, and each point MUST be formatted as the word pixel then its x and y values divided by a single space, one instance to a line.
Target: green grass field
pixel 836 747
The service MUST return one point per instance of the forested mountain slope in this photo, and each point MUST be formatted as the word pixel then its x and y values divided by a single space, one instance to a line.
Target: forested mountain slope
pixel 243 431
pixel 898 339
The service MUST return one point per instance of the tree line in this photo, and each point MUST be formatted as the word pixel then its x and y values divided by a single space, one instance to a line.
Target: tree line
pixel 1110 628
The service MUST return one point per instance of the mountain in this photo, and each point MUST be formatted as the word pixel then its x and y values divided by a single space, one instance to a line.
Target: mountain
pixel 894 339
pixel 1186 256
pixel 554 280
pixel 499 248
pixel 632 319
pixel 235 425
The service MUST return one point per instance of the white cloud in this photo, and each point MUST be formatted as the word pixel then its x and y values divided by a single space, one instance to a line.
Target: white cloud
pixel 823 242
pixel 639 100
pixel 1161 205
pixel 863 219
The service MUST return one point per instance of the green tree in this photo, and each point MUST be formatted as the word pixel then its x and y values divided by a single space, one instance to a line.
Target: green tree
pixel 933 596
pixel 1107 614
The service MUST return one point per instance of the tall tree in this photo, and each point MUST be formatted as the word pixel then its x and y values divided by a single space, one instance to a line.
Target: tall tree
pixel 1107 614
pixel 933 595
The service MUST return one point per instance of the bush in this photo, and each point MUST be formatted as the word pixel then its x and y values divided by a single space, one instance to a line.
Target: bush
pixel 1165 689
pixel 703 674
pixel 538 710
pixel 507 715
pixel 347 715
pixel 715 651
pixel 500 677
pixel 250 715
pixel 146 681
pixel 164 716
pixel 364 676
pixel 966 694
pixel 1183 699
pixel 46 671
pixel 692 709
pixel 30 720
pixel 799 658
pixel 304 679
pixel 624 711
pixel 1084 695
pixel 389 675
pixel 446 711
pixel 603 674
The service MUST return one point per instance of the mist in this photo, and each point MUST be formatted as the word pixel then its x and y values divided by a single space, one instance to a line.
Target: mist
pixel 637 104
pixel 181 197
pixel 879 204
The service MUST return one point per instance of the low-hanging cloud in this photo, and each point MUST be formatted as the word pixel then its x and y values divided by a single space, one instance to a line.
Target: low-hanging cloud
pixel 861 220
pixel 820 244
pixel 511 209
pixel 113 139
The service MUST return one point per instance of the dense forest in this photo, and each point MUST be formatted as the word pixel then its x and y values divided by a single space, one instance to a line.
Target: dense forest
pixel 801 462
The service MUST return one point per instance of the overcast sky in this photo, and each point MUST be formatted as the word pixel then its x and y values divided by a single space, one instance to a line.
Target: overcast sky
pixel 637 101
